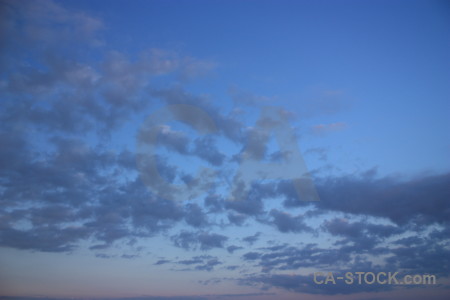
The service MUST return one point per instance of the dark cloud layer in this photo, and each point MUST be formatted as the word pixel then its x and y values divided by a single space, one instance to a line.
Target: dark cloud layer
pixel 422 200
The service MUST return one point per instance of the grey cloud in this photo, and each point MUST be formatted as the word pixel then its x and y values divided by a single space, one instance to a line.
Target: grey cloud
pixel 162 262
pixel 304 284
pixel 322 129
pixel 320 152
pixel 193 261
pixel 250 206
pixel 360 236
pixel 430 258
pixel 129 256
pixel 193 68
pixel 153 214
pixel 233 248
pixel 249 200
pixel 206 297
pixel 252 238
pixel 246 202
pixel 342 227
pixel 51 214
pixel 410 241
pixel 33 24
pixel 228 126
pixel 207 150
pixel 212 240
pixel 419 254
pixel 200 263
pixel 13 151
pixel 68 94
pixel 237 219
pixel 74 183
pixel 102 255
pixel 324 103
pixel 194 216
pixel 208 265
pixel 121 298
pixel 256 144
pixel 201 240
pixel 48 239
pixel 246 98
pixel 310 255
pixel 202 147
pixel 251 256
pixel 214 203
pixel 287 223
pixel 421 200
pixel 173 140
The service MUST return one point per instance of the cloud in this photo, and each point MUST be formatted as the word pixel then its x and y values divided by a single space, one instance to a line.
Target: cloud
pixel 48 239
pixel 251 205
pixel 66 183
pixel 293 258
pixel 46 23
pixel 237 219
pixel 251 256
pixel 324 102
pixel 323 129
pixel 173 140
pixel 198 263
pixel 320 152
pixel 205 297
pixel 208 264
pixel 214 203
pixel 162 262
pixel 287 223
pixel 116 298
pixel 72 96
pixel 252 238
pixel 241 97
pixel 233 248
pixel 206 149
pixel 304 284
pixel 363 235
pixel 202 240
pixel 341 227
pixel 421 200
pixel 62 91
pixel 248 200
pixel 433 257
pixel 194 216
pixel 226 125
pixel 75 184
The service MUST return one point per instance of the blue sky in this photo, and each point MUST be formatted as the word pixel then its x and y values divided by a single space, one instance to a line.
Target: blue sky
pixel 223 149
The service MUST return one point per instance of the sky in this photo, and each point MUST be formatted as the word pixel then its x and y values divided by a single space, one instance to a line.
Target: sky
pixel 223 149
